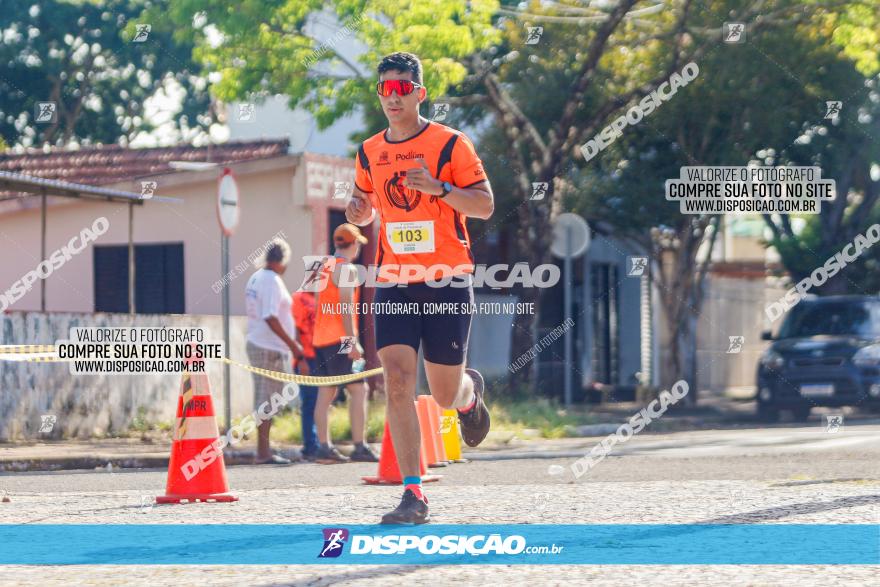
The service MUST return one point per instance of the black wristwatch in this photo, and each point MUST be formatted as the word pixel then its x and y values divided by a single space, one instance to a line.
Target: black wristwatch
pixel 447 187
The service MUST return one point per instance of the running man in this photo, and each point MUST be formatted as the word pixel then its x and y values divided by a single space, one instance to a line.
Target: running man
pixel 422 180
pixel 335 323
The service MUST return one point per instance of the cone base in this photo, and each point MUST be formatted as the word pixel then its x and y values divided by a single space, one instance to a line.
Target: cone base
pixel 374 480
pixel 197 497
pixel 440 464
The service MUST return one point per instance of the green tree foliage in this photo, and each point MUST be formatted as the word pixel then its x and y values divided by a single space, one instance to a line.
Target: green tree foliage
pixel 843 66
pixel 80 55
pixel 269 46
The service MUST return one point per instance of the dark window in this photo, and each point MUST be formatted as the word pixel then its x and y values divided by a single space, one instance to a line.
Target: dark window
pixel 551 360
pixel 856 318
pixel 604 288
pixel 158 287
pixel 336 218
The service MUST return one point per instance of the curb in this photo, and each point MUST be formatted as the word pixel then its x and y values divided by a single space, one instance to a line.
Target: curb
pixel 61 464
pixel 24 465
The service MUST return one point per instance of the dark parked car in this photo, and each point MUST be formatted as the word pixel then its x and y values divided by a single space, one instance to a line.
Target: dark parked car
pixel 827 353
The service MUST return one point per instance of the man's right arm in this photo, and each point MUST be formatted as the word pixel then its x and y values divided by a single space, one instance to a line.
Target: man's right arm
pixel 360 209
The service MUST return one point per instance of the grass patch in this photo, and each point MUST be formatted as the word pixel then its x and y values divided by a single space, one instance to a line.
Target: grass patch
pixel 521 417
pixel 542 415
pixel 535 417
pixel 288 426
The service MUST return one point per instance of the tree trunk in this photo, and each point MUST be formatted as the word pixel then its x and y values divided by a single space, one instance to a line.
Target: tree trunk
pixel 681 285
pixel 683 354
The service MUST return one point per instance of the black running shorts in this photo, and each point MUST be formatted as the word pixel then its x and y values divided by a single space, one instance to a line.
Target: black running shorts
pixel 331 362
pixel 437 317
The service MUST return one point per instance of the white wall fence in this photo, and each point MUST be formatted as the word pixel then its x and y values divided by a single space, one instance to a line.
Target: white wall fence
pixel 98 405
pixel 732 307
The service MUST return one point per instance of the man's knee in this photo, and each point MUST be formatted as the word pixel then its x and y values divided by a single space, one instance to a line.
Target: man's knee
pixel 400 381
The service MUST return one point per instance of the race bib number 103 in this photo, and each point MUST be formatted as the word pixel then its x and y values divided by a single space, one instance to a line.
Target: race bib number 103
pixel 411 237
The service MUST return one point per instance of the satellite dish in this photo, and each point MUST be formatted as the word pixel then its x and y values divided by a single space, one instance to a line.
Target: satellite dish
pixel 571 236
pixel 227 202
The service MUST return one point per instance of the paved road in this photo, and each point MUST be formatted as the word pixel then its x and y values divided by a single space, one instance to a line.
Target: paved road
pixel 780 475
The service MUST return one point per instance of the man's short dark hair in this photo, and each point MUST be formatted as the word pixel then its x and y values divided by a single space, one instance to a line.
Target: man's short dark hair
pixel 402 62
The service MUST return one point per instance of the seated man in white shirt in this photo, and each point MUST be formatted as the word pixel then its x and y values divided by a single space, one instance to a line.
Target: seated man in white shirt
pixel 271 336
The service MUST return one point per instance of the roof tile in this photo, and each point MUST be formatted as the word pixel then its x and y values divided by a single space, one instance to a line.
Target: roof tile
pixel 109 164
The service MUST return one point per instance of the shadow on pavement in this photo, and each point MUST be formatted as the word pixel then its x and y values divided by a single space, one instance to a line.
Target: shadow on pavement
pixel 376 572
pixel 779 512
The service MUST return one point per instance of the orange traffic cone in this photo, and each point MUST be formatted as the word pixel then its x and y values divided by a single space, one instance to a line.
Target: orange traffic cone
pixel 426 426
pixel 434 416
pixel 196 470
pixel 389 468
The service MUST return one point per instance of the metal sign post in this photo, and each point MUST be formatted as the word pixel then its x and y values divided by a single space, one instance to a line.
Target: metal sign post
pixel 569 252
pixel 227 400
pixel 571 238
pixel 227 214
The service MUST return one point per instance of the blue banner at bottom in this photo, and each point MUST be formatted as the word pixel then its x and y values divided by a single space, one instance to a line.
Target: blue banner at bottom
pixel 230 544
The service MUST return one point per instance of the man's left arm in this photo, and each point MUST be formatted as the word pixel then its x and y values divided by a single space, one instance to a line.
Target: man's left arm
pixel 475 199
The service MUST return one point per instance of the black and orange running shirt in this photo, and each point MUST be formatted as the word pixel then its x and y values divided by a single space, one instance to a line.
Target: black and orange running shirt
pixel 418 229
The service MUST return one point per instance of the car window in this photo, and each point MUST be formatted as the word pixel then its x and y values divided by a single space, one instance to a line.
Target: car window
pixel 832 318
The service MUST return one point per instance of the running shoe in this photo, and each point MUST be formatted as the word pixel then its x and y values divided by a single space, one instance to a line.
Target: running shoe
pixel 364 454
pixel 475 422
pixel 411 510
pixel 329 455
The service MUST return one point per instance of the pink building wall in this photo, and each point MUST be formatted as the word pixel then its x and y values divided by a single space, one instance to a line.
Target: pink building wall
pixel 289 194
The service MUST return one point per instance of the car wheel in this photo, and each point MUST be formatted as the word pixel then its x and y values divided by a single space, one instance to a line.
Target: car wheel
pixel 801 414
pixel 768 413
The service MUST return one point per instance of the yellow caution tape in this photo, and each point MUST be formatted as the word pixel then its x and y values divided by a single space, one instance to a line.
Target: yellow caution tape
pixel 26 348
pixel 276 375
pixel 47 357
pixel 306 379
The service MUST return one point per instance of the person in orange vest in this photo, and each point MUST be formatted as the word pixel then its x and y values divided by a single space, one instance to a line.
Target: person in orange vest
pixel 337 346
pixel 304 318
